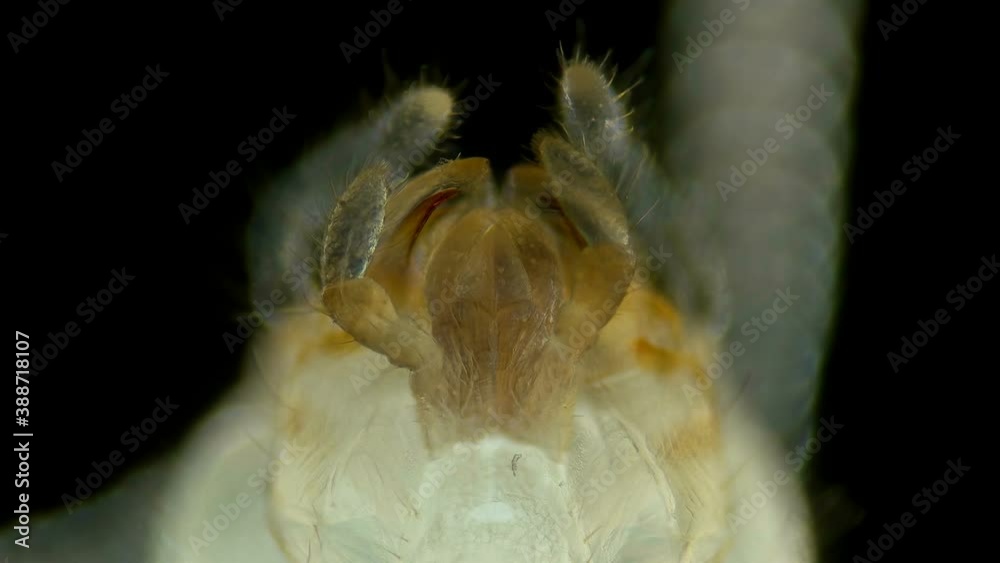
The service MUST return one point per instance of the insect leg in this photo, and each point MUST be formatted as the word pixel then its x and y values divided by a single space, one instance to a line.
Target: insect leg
pixel 604 269
pixel 595 119
pixel 359 304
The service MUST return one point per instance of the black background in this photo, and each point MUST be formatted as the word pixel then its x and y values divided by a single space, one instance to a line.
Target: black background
pixel 162 335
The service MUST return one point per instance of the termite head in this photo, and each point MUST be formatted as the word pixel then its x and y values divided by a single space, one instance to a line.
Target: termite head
pixel 489 296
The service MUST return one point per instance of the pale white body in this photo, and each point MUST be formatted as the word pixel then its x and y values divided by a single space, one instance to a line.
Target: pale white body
pixel 377 495
pixel 240 481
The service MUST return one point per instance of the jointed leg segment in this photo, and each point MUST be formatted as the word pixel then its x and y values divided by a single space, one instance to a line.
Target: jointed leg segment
pixel 359 304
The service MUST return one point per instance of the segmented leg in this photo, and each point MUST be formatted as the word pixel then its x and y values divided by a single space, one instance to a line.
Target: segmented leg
pixel 595 118
pixel 678 433
pixel 596 121
pixel 613 185
pixel 359 304
pixel 604 269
